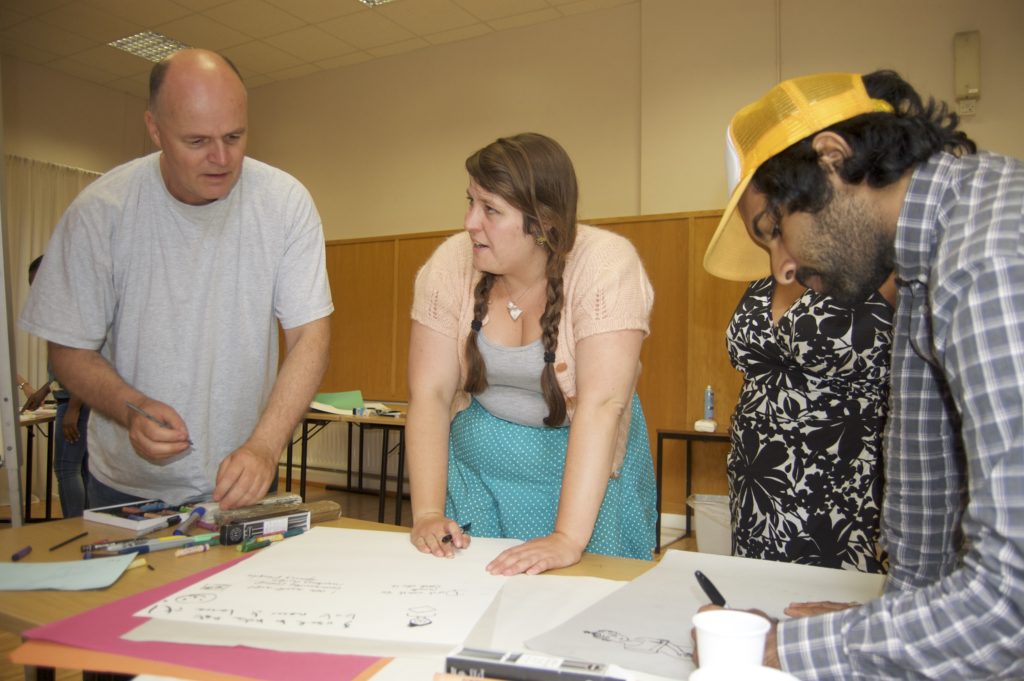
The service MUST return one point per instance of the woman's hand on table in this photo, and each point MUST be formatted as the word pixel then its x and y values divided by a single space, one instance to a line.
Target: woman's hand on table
pixel 429 534
pixel 556 550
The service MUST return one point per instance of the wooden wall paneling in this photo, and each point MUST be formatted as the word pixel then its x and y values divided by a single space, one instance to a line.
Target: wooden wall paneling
pixel 712 302
pixel 362 327
pixel 662 243
pixel 412 253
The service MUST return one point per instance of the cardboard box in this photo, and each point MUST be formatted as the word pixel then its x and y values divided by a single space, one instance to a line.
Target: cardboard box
pixel 711 523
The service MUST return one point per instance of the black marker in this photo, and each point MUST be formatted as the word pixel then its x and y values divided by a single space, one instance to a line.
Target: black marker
pixel 709 589
pixel 448 537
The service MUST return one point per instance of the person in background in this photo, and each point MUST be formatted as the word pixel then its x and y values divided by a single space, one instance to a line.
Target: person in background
pixel 853 178
pixel 805 468
pixel 70 449
pixel 163 288
pixel 523 361
pixel 33 398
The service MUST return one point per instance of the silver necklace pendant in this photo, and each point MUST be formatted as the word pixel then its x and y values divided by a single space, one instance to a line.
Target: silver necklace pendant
pixel 514 311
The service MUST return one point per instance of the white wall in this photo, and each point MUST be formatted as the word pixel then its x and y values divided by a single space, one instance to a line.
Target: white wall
pixel 703 59
pixel 382 146
pixel 51 116
pixel 640 96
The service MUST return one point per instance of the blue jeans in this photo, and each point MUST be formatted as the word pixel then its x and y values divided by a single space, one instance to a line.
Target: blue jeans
pixel 70 463
pixel 101 495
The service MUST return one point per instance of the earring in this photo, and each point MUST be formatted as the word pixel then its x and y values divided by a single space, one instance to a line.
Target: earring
pixel 540 240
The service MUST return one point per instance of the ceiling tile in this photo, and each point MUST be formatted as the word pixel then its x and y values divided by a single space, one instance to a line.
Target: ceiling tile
pixel 10 17
pixel 345 60
pixel 527 19
pixel 259 57
pixel 310 43
pixel 398 48
pixel 201 5
pixel 132 86
pixel 256 18
pixel 90 22
pixel 77 69
pixel 486 10
pixel 46 37
pixel 294 72
pixel 315 11
pixel 25 52
pixel 257 80
pixel 428 16
pixel 148 13
pixel 366 29
pixel 457 34
pixel 31 7
pixel 580 6
pixel 114 61
pixel 200 31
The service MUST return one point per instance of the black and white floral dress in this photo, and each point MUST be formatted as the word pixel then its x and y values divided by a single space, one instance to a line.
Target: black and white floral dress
pixel 805 469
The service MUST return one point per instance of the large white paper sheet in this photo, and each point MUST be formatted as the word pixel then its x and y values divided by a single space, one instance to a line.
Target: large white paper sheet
pixel 352 584
pixel 645 625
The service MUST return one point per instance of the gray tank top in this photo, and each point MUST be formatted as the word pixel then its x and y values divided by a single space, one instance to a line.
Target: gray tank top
pixel 513 381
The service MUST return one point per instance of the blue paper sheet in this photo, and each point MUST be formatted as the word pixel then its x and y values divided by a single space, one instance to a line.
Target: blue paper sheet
pixel 75 575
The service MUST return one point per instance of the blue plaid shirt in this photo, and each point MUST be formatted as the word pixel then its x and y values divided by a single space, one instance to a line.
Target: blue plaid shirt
pixel 953 516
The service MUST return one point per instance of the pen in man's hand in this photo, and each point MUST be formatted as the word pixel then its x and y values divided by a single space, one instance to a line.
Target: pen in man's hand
pixel 709 588
pixel 448 537
pixel 139 410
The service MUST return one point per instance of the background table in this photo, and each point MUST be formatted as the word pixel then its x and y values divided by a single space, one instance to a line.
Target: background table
pixel 30 420
pixel 689 437
pixel 359 423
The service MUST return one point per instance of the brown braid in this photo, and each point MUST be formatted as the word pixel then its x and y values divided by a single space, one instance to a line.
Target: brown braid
pixel 549 328
pixel 476 371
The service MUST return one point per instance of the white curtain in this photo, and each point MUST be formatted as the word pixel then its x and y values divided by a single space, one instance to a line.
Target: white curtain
pixel 36 195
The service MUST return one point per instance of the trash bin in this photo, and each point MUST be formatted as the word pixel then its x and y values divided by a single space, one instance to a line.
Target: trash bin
pixel 711 523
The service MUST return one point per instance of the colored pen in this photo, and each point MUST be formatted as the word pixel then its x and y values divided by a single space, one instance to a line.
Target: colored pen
pixel 448 537
pixel 714 594
pixel 197 513
pixel 68 541
pixel 258 544
pixel 21 553
pixel 189 550
pixel 163 424
pixel 171 522
pixel 171 541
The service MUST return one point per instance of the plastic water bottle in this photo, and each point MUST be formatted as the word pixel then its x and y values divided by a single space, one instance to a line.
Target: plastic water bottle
pixel 709 404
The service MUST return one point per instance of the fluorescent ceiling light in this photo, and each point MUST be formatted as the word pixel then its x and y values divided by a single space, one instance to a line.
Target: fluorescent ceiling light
pixel 149 45
pixel 374 3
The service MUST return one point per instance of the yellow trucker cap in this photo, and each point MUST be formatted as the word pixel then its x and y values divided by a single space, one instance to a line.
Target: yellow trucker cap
pixel 789 112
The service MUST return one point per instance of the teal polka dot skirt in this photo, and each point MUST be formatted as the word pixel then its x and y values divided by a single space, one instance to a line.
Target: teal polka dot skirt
pixel 506 479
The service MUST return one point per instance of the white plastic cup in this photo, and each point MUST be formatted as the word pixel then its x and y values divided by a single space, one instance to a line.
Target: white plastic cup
pixel 740 674
pixel 730 638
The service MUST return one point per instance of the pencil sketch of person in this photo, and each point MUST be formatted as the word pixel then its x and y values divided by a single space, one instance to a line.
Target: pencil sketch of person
pixel 641 644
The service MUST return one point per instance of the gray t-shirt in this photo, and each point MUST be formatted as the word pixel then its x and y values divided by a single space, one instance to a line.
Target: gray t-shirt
pixel 513 381
pixel 184 302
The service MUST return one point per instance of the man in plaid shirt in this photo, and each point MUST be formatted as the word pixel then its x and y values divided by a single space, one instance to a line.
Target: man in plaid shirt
pixel 843 179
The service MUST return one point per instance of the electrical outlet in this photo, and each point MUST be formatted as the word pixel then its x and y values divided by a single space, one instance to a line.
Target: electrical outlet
pixel 967 107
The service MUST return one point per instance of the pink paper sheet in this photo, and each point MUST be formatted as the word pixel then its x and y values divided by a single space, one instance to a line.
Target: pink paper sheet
pixel 101 629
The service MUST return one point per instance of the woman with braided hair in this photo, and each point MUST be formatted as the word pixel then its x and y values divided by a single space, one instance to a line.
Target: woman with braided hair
pixel 523 359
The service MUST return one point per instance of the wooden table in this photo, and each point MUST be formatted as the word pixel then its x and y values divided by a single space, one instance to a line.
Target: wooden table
pixel 386 424
pixel 688 436
pixel 24 610
pixel 30 420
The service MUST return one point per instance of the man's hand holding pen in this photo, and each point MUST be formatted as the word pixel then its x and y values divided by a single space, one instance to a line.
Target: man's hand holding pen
pixel 157 432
